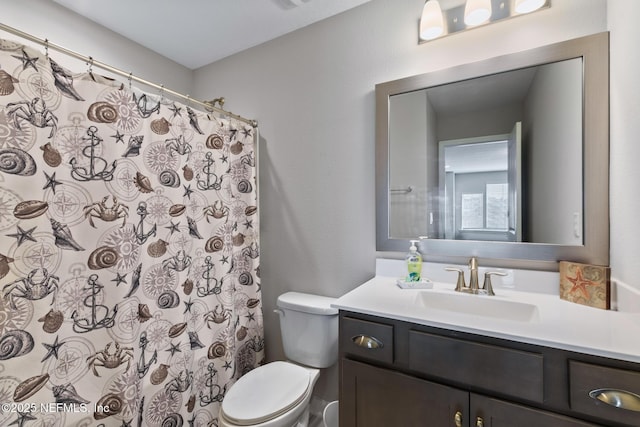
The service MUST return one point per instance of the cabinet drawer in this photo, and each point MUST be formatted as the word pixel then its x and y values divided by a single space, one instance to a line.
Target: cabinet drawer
pixel 586 379
pixel 501 370
pixel 370 340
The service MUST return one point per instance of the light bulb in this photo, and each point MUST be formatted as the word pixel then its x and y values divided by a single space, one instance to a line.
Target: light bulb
pixel 431 22
pixel 526 6
pixel 477 12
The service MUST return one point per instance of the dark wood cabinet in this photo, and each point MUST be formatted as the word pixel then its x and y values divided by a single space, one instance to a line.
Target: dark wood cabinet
pixel 512 372
pixel 394 373
pixel 490 412
pixel 382 398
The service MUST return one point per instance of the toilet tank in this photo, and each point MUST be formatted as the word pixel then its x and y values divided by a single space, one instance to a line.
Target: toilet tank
pixel 309 327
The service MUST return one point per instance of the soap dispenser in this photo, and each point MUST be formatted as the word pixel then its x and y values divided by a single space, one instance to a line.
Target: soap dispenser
pixel 414 263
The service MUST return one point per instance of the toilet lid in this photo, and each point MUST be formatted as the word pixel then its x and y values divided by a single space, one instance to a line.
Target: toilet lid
pixel 265 393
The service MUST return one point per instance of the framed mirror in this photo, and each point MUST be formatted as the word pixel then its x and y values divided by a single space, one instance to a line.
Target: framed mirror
pixel 503 159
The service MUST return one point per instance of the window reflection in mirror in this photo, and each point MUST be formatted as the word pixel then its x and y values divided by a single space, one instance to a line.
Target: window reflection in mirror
pixel 444 178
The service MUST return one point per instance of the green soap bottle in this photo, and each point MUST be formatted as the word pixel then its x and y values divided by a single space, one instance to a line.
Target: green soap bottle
pixel 414 263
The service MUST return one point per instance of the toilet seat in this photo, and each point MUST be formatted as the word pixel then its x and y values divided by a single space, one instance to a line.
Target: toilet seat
pixel 266 393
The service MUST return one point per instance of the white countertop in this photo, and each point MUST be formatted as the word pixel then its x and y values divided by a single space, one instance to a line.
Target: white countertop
pixel 558 323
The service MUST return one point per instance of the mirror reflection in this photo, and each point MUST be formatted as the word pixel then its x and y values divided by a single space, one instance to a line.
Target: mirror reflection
pixel 495 158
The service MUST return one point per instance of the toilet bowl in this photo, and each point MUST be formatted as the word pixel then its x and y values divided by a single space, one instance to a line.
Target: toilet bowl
pixel 274 395
pixel 277 394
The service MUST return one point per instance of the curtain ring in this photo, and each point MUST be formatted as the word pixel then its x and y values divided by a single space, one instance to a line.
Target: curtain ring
pixel 46 48
pixel 130 78
pixel 90 71
pixel 161 93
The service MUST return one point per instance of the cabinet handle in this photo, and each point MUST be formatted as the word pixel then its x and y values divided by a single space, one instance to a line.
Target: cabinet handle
pixel 458 419
pixel 617 398
pixel 367 341
pixel 479 422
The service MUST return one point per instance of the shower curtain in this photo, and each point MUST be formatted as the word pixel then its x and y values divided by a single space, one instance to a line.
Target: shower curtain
pixel 129 252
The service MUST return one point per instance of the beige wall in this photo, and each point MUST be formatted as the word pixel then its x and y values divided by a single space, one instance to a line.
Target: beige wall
pixel 625 131
pixel 47 20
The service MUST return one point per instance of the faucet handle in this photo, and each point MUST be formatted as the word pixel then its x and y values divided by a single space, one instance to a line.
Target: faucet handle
pixel 486 286
pixel 460 285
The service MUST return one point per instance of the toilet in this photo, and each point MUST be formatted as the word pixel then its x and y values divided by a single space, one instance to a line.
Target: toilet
pixel 277 394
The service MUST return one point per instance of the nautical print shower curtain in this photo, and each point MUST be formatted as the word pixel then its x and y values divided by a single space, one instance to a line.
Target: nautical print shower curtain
pixel 129 252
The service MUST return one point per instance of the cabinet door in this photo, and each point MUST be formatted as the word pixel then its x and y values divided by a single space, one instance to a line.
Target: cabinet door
pixel 488 412
pixel 376 397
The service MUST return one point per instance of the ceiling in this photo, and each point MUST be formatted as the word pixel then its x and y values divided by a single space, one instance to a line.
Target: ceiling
pixel 198 32
pixel 482 93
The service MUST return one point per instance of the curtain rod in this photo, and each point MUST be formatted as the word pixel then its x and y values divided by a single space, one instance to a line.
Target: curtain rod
pixel 208 105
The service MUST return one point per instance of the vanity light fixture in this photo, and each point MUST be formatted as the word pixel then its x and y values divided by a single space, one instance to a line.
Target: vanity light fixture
pixel 477 12
pixel 527 6
pixel 431 22
pixel 444 17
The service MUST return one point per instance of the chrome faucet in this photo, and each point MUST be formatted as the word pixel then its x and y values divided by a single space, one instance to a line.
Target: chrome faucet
pixel 473 275
pixel 474 288
pixel 461 285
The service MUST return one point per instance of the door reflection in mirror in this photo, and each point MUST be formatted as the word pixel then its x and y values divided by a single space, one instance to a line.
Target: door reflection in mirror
pixel 480 188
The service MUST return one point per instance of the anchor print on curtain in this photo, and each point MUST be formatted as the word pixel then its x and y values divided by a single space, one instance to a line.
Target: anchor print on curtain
pixel 129 252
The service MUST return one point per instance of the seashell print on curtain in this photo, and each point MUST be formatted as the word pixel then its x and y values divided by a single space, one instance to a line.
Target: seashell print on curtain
pixel 129 252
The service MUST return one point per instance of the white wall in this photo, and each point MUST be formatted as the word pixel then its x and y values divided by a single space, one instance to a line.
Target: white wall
pixel 313 93
pixel 625 131
pixel 434 228
pixel 408 165
pixel 553 134
pixel 473 124
pixel 47 20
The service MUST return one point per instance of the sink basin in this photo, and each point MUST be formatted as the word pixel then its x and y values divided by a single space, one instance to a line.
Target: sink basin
pixel 479 305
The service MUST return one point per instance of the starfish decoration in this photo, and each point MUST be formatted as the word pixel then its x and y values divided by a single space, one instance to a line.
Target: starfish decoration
pixel 251 316
pixel 126 423
pixel 120 278
pixel 27 61
pixel 192 420
pixel 23 235
pixel 246 132
pixel 248 224
pixel 173 227
pixel 227 365
pixel 225 259
pixel 187 306
pixel 52 349
pixel 175 348
pixel 176 110
pixel 51 182
pixel 224 159
pixel 187 191
pixel 118 136
pixel 580 284
pixel 23 417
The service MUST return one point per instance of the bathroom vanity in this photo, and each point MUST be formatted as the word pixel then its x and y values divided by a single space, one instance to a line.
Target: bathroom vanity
pixel 524 357
pixel 519 359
